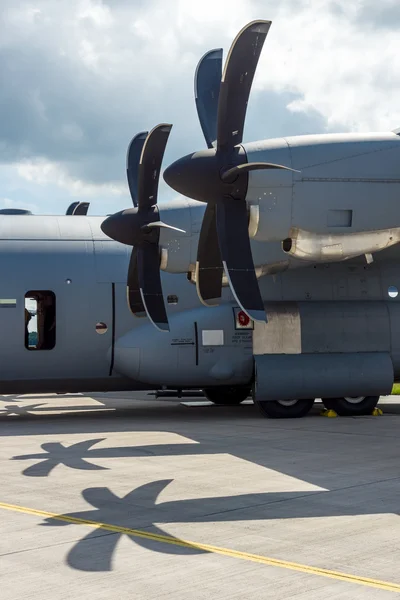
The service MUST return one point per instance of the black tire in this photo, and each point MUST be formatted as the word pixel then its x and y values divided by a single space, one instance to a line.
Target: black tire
pixel 285 409
pixel 351 407
pixel 227 395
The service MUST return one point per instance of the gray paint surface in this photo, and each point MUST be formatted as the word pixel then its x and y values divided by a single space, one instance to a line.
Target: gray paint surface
pixel 348 172
pixel 333 375
pixel 211 475
pixel 340 307
pixel 43 253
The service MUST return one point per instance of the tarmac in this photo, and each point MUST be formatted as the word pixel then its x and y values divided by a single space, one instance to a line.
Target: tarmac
pixel 124 496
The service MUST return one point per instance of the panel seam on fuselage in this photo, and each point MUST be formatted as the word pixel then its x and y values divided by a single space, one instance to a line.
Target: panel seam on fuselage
pixel 112 328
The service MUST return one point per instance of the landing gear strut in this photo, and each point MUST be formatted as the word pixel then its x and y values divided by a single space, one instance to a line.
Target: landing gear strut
pixel 227 395
pixel 351 406
pixel 285 409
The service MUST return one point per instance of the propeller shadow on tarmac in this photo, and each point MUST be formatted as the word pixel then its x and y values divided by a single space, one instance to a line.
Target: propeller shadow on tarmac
pixel 77 455
pixel 302 448
pixel 355 461
pixel 141 509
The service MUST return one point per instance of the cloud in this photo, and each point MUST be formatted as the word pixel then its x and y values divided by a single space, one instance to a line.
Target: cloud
pixel 44 173
pixel 81 77
pixel 379 15
pixel 339 68
pixel 8 203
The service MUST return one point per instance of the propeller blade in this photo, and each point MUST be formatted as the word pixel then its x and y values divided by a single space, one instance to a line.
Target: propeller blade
pixel 237 258
pixel 134 297
pixel 207 81
pixel 71 208
pixel 255 166
pixel 150 165
pixel 132 163
pixel 81 208
pixel 209 269
pixel 236 82
pixel 150 284
pixel 163 225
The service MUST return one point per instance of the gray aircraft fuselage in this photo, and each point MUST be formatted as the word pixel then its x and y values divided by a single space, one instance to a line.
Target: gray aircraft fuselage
pixel 326 309
pixel 71 257
pixel 340 308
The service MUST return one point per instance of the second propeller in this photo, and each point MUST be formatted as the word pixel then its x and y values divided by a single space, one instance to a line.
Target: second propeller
pixel 140 226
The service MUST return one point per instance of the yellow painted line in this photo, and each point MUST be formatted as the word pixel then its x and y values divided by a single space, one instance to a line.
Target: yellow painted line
pixel 257 558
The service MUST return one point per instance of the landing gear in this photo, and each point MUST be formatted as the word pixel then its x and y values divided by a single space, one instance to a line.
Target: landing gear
pixel 227 395
pixel 351 406
pixel 285 409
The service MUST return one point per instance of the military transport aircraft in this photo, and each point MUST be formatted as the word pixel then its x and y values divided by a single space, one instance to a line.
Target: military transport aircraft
pixel 293 243
pixel 330 203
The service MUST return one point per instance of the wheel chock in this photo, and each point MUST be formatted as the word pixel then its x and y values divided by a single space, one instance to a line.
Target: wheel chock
pixel 377 412
pixel 330 413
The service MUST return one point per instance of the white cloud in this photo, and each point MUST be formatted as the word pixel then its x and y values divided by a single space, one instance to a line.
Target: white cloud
pixel 82 76
pixel 44 173
pixel 8 203
pixel 342 68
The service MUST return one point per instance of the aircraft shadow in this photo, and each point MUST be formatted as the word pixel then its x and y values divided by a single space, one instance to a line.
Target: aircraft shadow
pixel 87 418
pixel 13 410
pixel 140 509
pixel 306 449
pixel 77 455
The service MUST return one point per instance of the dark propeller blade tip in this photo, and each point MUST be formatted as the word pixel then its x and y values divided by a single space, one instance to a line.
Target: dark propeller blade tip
pixel 260 26
pixel 162 326
pixel 132 163
pixel 236 82
pixel 81 209
pixel 256 315
pixel 165 127
pixel 207 81
pixel 215 54
pixel 150 165
pixel 71 208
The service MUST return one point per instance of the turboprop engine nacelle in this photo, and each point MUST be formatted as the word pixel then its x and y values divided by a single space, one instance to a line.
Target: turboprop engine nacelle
pixel 179 249
pixel 315 247
pixel 341 184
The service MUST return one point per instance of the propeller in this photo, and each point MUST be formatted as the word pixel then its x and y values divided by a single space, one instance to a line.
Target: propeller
pixel 140 226
pixel 78 208
pixel 219 175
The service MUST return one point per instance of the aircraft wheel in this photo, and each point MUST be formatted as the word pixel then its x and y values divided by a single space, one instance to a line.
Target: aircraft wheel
pixel 350 406
pixel 227 395
pixel 285 409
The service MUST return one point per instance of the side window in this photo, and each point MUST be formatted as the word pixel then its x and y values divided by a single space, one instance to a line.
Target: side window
pixel 40 320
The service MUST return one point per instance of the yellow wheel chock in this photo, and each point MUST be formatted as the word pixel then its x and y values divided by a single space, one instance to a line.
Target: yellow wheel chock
pixel 329 413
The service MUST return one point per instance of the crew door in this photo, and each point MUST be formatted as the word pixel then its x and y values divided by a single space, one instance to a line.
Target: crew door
pixel 111 268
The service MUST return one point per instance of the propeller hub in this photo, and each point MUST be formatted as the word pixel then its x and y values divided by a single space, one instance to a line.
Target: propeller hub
pixel 130 226
pixel 199 175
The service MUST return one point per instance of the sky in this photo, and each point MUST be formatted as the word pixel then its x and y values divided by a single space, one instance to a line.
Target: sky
pixel 79 78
